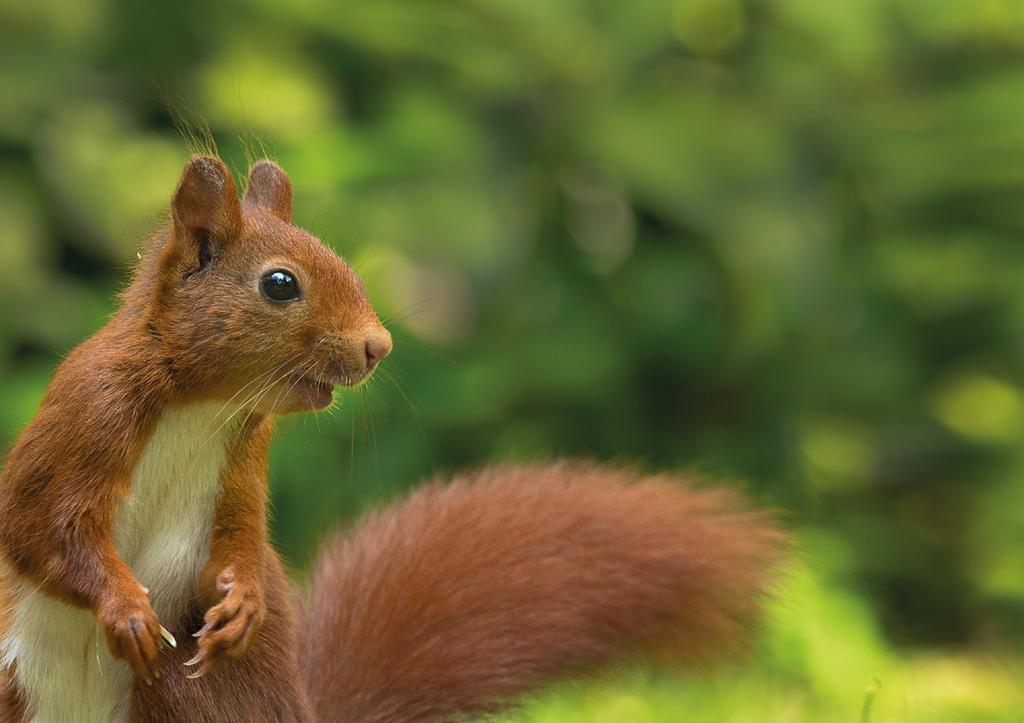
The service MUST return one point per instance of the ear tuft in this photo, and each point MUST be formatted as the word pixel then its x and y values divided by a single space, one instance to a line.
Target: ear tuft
pixel 270 189
pixel 206 202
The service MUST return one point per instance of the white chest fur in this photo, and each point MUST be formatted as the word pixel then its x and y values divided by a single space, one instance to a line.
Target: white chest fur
pixel 162 531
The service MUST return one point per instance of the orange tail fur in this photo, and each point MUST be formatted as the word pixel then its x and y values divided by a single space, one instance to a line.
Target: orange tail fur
pixel 471 593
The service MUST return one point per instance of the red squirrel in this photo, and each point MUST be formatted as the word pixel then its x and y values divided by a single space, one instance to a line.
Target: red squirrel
pixel 138 579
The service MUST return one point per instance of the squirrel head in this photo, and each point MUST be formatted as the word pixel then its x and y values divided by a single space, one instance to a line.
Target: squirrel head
pixel 249 308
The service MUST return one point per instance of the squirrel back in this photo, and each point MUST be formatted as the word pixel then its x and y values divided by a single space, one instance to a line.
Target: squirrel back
pixel 473 592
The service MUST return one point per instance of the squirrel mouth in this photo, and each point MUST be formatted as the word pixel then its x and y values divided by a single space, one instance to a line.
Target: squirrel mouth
pixel 319 392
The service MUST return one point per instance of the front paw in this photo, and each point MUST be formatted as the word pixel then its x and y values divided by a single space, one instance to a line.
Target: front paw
pixel 231 625
pixel 133 633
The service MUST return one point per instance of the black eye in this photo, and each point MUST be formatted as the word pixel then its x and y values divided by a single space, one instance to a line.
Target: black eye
pixel 279 285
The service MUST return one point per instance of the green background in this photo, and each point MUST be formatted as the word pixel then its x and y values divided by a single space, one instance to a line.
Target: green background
pixel 771 241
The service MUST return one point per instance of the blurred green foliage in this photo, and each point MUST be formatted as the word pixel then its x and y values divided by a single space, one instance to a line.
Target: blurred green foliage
pixel 771 240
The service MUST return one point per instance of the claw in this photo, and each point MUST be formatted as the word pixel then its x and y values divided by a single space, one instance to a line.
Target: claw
pixel 166 635
pixel 195 660
pixel 197 674
pixel 202 631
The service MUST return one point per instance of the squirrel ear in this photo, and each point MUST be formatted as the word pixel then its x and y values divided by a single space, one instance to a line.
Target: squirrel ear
pixel 206 202
pixel 270 189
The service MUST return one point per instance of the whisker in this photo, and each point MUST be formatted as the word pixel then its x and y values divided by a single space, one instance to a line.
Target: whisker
pixel 410 315
pixel 298 372
pixel 373 432
pixel 352 443
pixel 254 381
pixel 398 387
pixel 298 378
pixel 260 393
pixel 419 306
pixel 427 350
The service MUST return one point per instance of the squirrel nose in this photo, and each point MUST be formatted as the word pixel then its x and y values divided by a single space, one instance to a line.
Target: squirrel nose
pixel 378 346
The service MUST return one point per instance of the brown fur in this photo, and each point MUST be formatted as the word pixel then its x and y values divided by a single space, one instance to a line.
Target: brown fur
pixel 260 686
pixel 471 593
pixel 454 602
pixel 192 328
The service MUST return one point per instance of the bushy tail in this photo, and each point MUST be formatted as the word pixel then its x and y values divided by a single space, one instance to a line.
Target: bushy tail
pixel 470 593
